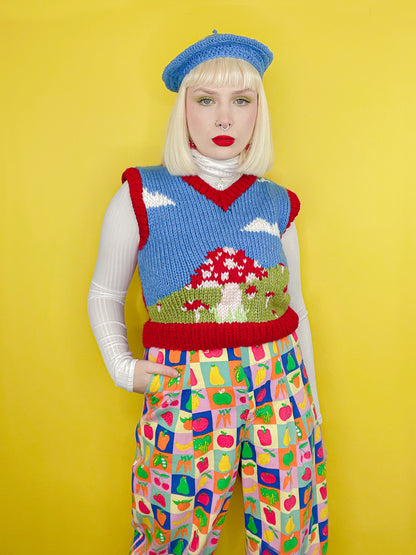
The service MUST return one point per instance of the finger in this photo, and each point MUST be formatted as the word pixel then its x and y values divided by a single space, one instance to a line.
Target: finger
pixel 163 370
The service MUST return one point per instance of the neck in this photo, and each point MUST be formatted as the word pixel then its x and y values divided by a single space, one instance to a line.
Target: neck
pixel 220 174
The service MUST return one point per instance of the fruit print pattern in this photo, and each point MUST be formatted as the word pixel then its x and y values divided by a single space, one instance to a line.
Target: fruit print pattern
pixel 242 410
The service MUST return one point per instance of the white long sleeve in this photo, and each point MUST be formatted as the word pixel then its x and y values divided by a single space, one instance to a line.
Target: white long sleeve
pixel 116 262
pixel 290 246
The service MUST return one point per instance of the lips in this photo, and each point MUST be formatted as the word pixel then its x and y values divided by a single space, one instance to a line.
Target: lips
pixel 223 140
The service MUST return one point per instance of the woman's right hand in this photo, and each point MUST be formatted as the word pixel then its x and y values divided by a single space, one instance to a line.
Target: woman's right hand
pixel 144 371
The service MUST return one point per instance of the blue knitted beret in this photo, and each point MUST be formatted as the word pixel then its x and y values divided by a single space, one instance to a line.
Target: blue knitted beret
pixel 217 45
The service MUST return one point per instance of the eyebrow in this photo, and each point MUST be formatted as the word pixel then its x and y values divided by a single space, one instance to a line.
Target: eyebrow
pixel 208 91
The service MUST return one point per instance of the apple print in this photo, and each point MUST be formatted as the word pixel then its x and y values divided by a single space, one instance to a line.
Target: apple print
pixel 307 455
pixel 223 483
pixel 222 398
pixel 290 544
pixel 285 412
pixel 225 440
pixel 290 502
pixel 288 458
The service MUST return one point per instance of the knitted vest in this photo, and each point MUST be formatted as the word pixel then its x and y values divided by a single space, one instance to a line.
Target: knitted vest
pixel 211 263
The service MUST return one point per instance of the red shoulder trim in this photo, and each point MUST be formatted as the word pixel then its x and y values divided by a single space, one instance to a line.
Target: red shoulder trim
pixel 134 179
pixel 223 199
pixel 294 207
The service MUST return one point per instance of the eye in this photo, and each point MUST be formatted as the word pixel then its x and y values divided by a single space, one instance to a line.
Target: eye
pixel 205 101
pixel 241 101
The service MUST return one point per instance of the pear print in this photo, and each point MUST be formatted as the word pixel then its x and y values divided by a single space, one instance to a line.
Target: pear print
pixel 183 486
pixel 252 525
pixel 224 464
pixel 286 439
pixel 290 526
pixel 215 376
pixel 291 364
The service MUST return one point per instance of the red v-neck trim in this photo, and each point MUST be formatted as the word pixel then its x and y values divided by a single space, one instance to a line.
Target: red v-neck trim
pixel 223 199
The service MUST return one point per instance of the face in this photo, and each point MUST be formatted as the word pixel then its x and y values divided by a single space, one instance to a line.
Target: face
pixel 206 106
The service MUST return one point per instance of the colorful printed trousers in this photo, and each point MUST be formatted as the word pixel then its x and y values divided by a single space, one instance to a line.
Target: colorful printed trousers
pixel 245 410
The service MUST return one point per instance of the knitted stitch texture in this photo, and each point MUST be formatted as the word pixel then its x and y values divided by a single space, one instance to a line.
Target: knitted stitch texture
pixel 217 45
pixel 211 263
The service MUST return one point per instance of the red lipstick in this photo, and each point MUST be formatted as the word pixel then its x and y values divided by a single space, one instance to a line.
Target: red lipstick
pixel 223 140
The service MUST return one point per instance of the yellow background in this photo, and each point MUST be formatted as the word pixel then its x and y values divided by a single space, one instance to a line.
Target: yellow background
pixel 82 99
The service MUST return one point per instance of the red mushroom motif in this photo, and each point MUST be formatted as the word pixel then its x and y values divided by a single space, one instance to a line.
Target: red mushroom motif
pixel 227 268
pixel 251 291
pixel 194 306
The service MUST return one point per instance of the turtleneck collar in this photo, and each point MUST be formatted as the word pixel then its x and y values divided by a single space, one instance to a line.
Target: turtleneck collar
pixel 220 174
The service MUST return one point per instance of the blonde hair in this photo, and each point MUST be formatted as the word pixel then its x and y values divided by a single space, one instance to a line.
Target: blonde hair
pixel 220 72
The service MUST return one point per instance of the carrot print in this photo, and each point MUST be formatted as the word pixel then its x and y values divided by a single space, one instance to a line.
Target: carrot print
pixel 225 416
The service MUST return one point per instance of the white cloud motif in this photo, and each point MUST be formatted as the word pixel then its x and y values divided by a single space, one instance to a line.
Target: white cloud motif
pixel 259 224
pixel 153 200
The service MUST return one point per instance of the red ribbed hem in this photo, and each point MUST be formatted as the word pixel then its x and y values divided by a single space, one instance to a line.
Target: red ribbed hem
pixel 204 336
pixel 134 179
pixel 294 207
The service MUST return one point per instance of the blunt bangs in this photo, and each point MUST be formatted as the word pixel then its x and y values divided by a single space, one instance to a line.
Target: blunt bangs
pixel 224 72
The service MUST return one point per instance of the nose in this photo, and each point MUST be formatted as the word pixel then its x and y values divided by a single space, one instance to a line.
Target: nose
pixel 223 126
pixel 223 123
pixel 223 117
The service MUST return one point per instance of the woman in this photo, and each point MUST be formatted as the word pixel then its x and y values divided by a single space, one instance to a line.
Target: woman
pixel 226 388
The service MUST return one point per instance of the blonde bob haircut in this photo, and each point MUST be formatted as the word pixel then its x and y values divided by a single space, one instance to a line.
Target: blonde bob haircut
pixel 220 72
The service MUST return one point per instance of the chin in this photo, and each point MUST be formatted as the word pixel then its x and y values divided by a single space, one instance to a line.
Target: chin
pixel 221 153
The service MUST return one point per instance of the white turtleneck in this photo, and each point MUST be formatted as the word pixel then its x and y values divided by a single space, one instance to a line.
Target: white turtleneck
pixel 116 262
